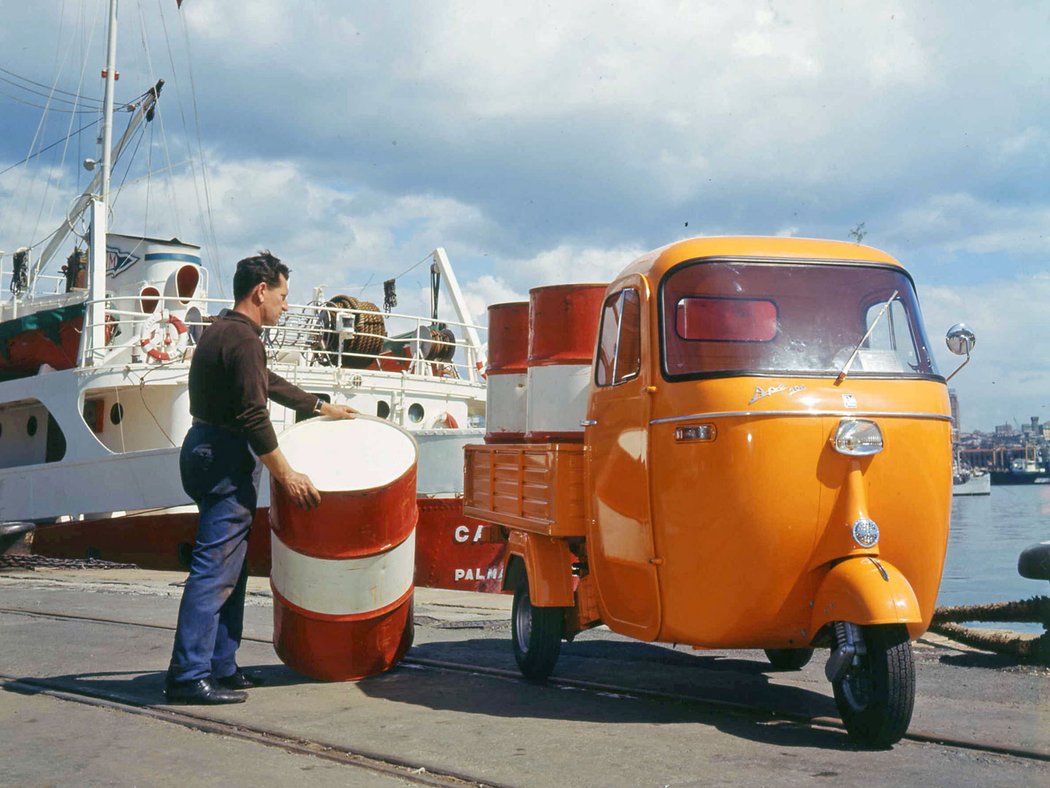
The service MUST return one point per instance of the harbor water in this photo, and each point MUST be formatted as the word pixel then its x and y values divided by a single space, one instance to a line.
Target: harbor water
pixel 988 533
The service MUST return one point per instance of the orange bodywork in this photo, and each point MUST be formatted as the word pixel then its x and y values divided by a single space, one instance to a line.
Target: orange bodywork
pixel 718 512
pixel 751 522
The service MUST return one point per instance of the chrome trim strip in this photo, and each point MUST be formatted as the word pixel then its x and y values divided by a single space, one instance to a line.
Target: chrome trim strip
pixel 839 413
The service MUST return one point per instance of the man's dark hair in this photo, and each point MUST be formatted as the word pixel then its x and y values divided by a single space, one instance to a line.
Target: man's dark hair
pixel 263 267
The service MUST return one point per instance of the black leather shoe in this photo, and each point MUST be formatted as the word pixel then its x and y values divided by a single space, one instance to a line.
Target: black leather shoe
pixel 238 680
pixel 201 692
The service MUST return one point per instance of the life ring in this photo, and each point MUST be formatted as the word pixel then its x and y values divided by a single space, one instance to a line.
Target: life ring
pixel 446 421
pixel 156 334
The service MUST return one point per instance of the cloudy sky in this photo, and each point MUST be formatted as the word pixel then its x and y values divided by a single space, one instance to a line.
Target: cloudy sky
pixel 553 142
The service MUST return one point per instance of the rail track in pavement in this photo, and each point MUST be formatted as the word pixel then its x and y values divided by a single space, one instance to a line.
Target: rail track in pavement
pixel 422 773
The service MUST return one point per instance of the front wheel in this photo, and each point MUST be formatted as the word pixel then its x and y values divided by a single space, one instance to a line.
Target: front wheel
pixel 877 694
pixel 789 658
pixel 536 633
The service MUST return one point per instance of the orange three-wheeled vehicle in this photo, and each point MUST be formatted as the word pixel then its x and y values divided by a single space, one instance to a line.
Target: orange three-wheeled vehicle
pixel 764 462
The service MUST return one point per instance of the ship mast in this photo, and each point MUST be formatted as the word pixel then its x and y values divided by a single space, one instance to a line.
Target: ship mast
pixel 95 317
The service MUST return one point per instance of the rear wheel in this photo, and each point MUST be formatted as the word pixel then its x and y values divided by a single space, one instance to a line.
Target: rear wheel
pixel 536 633
pixel 789 658
pixel 876 696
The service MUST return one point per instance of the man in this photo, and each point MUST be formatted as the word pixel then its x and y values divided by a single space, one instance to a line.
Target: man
pixel 229 386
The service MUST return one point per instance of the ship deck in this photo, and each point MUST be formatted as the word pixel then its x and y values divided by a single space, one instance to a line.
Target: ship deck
pixel 85 651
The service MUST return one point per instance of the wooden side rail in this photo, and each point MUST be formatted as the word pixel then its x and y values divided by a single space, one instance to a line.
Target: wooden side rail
pixel 536 487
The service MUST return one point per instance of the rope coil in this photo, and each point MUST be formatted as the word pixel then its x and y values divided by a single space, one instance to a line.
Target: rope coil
pixel 369 331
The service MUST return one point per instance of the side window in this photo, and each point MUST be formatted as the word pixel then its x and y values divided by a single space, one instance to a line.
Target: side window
pixel 619 339
pixel 608 334
pixel 629 354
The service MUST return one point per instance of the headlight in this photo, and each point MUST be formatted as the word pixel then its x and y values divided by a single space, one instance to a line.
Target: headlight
pixel 865 532
pixel 858 438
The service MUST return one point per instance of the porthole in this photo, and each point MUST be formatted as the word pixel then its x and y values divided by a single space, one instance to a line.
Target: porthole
pixel 116 413
pixel 383 409
pixel 31 425
pixel 415 413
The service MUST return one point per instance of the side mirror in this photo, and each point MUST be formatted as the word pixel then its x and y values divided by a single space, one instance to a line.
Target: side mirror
pixel 960 340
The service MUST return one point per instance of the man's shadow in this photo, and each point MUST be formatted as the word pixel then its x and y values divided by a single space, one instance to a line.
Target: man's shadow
pixel 138 689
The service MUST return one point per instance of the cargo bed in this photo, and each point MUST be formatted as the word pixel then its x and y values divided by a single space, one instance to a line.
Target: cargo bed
pixel 536 487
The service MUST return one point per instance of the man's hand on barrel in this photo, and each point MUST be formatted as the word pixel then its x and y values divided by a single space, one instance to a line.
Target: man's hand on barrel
pixel 297 485
pixel 337 411
pixel 301 489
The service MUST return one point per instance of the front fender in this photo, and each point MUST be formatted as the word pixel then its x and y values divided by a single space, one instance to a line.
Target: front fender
pixel 866 590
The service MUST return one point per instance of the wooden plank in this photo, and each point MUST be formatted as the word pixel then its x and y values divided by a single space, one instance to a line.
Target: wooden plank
pixel 534 487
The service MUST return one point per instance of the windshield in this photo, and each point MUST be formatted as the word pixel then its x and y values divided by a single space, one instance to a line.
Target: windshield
pixel 791 318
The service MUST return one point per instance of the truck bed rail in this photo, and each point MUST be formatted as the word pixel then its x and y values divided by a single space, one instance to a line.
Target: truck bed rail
pixel 536 487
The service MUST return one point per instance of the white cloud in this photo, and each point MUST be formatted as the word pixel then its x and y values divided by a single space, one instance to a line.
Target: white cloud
pixel 327 235
pixel 486 290
pixel 1009 374
pixel 568 264
pixel 546 143
pixel 963 223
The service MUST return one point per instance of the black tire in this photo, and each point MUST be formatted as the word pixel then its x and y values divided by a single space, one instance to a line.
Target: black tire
pixel 876 697
pixel 536 634
pixel 789 658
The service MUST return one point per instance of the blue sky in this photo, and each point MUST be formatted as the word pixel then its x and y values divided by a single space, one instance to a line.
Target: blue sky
pixel 541 143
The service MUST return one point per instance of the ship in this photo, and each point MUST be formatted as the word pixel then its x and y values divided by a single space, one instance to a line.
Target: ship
pixel 970 481
pixel 1023 470
pixel 94 403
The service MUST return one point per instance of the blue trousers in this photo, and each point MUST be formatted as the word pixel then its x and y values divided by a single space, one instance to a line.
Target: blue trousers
pixel 221 474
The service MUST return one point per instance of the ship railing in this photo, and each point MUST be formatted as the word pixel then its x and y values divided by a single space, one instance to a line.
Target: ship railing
pixel 312 335
pixel 44 284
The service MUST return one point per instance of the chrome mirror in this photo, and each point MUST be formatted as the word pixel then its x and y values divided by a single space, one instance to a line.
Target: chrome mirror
pixel 960 340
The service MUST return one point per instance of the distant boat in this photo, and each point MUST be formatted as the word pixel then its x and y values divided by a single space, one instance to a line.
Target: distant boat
pixel 1026 470
pixel 971 481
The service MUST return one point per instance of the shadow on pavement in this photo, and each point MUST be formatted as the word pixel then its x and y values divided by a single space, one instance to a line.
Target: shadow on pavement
pixel 139 689
pixel 632 666
pixel 979 659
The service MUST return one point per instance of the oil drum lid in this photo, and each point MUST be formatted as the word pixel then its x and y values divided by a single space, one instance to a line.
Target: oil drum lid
pixel 362 453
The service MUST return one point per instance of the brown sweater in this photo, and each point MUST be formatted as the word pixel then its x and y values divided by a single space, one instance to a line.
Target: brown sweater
pixel 229 382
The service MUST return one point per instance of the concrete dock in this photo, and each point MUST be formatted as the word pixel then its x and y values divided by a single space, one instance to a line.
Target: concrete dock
pixel 83 653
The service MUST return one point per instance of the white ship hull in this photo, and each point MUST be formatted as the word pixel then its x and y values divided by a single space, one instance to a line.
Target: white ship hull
pixel 973 485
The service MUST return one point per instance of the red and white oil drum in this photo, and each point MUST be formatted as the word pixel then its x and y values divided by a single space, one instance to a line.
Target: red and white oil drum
pixel 563 328
pixel 507 366
pixel 342 572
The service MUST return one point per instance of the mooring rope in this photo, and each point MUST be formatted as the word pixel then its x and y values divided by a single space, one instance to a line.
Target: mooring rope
pixel 946 621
